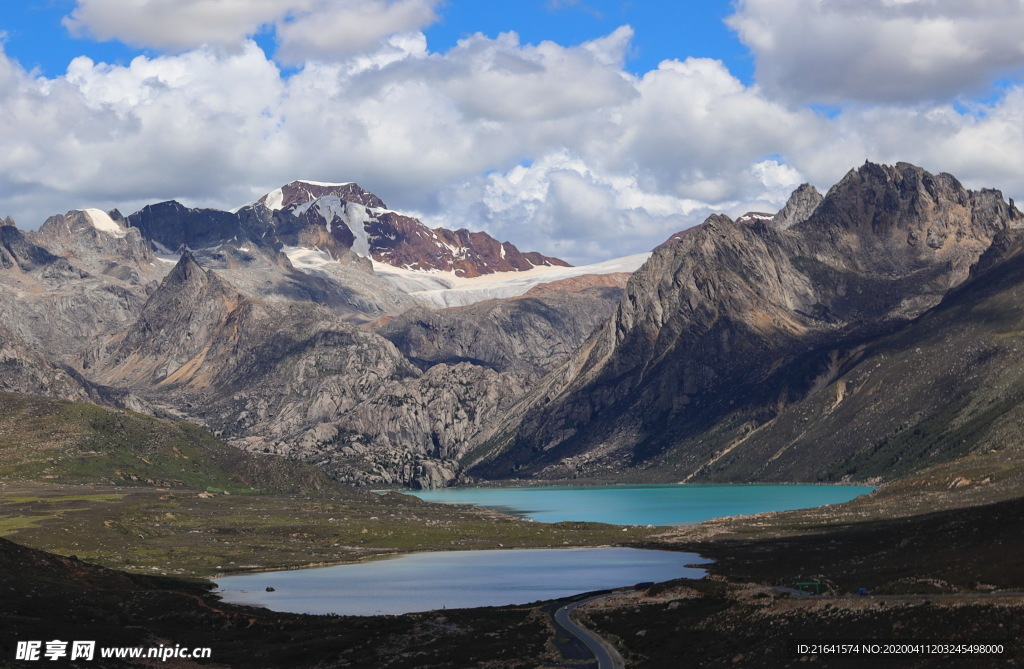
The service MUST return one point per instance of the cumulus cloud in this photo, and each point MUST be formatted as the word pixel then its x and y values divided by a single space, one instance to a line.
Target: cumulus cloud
pixel 982 145
pixel 573 209
pixel 503 80
pixel 554 148
pixel 329 29
pixel 694 127
pixel 565 204
pixel 175 25
pixel 192 123
pixel 305 29
pixel 836 51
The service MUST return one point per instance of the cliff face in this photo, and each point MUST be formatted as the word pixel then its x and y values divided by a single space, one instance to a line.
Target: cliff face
pixel 801 204
pixel 731 323
pixel 111 249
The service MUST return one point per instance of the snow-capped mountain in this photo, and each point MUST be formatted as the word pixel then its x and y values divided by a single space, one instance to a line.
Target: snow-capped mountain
pixel 336 218
pixel 341 217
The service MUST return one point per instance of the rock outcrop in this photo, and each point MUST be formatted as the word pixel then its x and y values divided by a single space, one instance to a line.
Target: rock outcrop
pixel 799 207
pixel 98 243
pixel 55 306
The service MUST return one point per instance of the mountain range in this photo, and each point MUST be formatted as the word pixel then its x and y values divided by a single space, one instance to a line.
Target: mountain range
pixel 856 335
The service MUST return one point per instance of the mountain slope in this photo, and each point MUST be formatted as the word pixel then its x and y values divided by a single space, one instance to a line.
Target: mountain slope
pixel 728 326
pixel 53 306
pixel 532 334
pixel 76 443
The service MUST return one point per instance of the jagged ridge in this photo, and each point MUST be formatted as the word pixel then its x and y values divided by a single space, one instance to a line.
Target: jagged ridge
pixel 728 325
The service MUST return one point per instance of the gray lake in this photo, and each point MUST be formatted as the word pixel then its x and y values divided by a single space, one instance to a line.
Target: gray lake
pixel 455 579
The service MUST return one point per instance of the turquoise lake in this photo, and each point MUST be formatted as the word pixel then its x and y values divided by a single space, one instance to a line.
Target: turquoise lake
pixel 645 504
pixel 455 579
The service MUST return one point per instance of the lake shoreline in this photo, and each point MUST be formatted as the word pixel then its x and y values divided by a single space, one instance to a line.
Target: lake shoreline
pixel 430 581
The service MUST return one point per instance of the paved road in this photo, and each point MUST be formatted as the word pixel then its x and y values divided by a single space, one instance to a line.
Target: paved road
pixel 607 656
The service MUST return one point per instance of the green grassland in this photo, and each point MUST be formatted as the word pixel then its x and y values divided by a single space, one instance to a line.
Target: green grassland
pixel 74 443
pixel 133 492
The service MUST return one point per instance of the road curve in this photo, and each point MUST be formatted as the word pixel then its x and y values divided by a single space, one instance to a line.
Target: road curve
pixel 607 656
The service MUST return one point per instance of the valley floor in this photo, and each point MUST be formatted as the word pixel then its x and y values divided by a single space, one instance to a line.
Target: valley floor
pixel 949 576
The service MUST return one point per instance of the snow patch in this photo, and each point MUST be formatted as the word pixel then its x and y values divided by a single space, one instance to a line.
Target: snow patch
pixel 446 289
pixel 303 258
pixel 275 200
pixel 164 254
pixel 324 183
pixel 352 214
pixel 160 248
pixel 102 221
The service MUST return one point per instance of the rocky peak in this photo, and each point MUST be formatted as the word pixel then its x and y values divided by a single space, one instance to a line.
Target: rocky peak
pixel 170 340
pixel 334 218
pixel 337 218
pixel 902 221
pixel 881 199
pixel 186 272
pixel 404 241
pixel 172 225
pixel 799 207
pixel 94 238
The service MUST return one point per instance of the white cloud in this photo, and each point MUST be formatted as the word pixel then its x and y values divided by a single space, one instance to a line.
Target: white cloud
pixel 332 29
pixel 176 25
pixel 982 146
pixel 562 204
pixel 305 29
pixel 502 80
pixel 835 51
pixel 191 124
pixel 554 148
pixel 694 128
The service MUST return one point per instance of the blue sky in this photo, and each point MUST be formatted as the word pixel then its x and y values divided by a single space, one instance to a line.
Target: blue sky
pixel 586 128
pixel 663 29
pixel 37 38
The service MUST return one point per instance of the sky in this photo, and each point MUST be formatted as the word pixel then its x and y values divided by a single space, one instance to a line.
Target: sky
pixel 586 129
